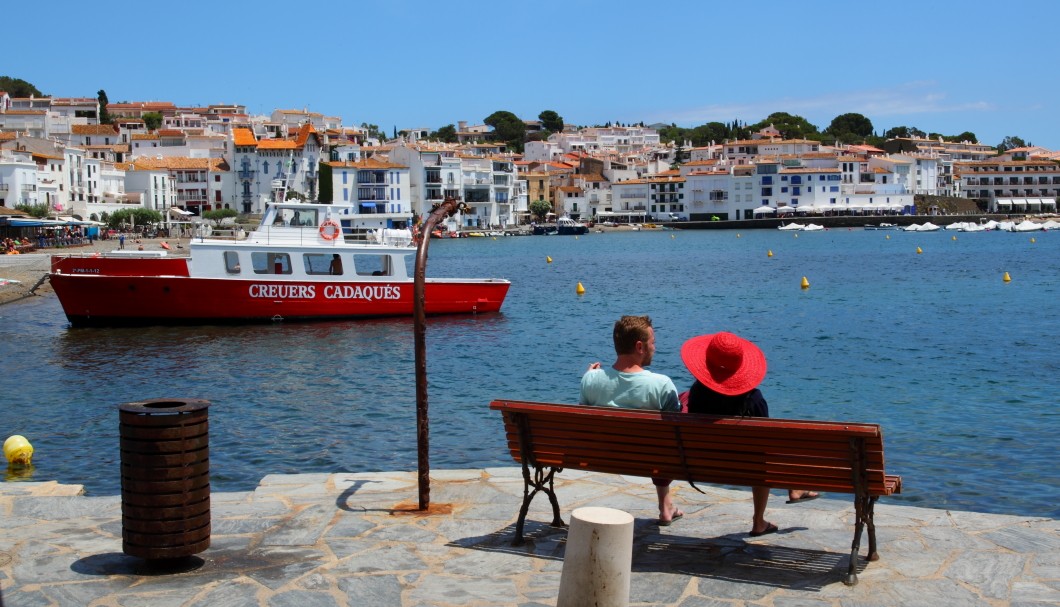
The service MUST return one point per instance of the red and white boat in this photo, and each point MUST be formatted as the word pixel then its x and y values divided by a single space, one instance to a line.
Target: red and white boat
pixel 302 262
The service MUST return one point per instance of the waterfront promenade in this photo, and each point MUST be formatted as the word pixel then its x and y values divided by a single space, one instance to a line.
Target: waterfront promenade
pixel 354 539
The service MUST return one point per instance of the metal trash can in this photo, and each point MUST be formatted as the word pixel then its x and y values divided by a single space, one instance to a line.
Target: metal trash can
pixel 165 478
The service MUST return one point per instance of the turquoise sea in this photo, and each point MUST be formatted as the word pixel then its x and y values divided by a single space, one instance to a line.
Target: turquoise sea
pixel 959 367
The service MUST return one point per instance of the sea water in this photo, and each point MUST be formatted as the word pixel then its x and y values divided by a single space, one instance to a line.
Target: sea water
pixel 958 366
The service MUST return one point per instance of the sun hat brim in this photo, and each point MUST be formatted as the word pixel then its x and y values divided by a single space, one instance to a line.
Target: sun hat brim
pixel 743 379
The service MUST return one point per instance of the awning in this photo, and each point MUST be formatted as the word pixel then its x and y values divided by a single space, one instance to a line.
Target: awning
pixel 1004 202
pixel 764 210
pixel 179 212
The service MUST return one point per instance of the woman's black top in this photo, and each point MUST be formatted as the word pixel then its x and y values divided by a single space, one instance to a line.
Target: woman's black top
pixel 702 399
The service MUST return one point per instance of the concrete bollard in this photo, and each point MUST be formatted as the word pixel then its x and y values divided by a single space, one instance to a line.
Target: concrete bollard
pixel 596 568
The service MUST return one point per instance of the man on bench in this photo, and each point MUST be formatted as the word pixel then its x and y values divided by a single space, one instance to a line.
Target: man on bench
pixel 629 385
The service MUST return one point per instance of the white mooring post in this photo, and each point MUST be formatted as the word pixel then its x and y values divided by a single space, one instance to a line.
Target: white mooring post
pixel 599 555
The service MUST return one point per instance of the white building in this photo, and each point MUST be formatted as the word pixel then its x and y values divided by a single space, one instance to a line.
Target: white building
pixel 378 190
pixel 18 179
pixel 435 173
pixel 191 184
pixel 1011 186
pixel 267 168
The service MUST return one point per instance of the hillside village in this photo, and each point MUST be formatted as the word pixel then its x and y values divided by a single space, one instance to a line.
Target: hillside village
pixel 55 152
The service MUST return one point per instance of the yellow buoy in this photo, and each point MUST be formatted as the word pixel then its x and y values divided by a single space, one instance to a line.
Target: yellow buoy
pixel 769 254
pixel 494 238
pixel 548 259
pixel 1006 277
pixel 737 235
pixel 672 236
pixel 1033 240
pixel 580 290
pixel 805 283
pixel 888 237
pixel 954 238
pixel 17 450
pixel 919 250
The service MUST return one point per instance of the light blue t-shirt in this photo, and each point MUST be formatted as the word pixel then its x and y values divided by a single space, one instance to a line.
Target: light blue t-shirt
pixel 605 387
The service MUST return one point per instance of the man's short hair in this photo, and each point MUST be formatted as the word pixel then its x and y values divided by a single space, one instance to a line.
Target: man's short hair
pixel 628 331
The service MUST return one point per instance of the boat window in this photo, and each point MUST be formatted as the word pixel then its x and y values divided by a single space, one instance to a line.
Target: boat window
pixel 270 263
pixel 322 263
pixel 297 217
pixel 232 262
pixel 372 265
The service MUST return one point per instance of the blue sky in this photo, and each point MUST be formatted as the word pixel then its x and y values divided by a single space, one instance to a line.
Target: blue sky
pixel 946 67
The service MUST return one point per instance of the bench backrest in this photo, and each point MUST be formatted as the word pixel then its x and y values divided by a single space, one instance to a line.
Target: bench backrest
pixel 746 451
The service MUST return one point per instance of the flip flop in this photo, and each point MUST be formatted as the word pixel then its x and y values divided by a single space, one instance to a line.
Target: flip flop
pixel 770 528
pixel 675 517
pixel 804 498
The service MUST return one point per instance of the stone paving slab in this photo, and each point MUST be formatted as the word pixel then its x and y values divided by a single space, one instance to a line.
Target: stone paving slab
pixel 338 540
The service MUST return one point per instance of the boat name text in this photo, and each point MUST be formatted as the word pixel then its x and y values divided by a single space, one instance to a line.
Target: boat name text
pixel 367 293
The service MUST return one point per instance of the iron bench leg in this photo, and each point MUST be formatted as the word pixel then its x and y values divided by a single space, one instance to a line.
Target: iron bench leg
pixel 864 505
pixel 540 482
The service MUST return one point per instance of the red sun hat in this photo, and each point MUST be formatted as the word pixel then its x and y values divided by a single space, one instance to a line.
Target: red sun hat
pixel 725 363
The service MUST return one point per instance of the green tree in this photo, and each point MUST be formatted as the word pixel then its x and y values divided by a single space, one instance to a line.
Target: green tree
pixel 790 126
pixel 138 216
pixel 507 127
pixel 705 133
pixel 904 132
pixel 849 128
pixel 152 120
pixel 446 133
pixel 966 136
pixel 16 87
pixel 1011 142
pixel 219 215
pixel 372 131
pixel 326 189
pixel 552 121
pixel 104 115
pixel 34 210
pixel 679 155
pixel 540 208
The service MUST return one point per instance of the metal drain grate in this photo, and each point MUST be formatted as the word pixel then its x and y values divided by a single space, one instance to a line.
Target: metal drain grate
pixel 5 559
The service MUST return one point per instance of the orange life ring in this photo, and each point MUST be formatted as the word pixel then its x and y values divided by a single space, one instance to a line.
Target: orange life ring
pixel 330 229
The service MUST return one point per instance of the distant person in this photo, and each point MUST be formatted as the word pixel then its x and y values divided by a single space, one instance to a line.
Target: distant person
pixel 121 240
pixel 728 370
pixel 336 265
pixel 628 384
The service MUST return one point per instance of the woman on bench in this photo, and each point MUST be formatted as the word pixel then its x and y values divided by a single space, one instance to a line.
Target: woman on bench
pixel 728 370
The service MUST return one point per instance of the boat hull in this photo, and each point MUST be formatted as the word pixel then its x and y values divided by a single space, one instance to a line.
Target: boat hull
pixel 106 292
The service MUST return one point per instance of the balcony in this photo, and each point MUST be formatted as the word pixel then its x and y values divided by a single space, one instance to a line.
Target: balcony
pixel 246 174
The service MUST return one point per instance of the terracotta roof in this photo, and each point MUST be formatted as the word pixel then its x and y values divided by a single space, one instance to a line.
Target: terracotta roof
pixel 144 136
pixel 145 163
pixel 94 129
pixel 303 134
pixel 244 137
pixel 276 144
pixel 368 163
pixel 26 112
pixel 170 133
pixel 805 170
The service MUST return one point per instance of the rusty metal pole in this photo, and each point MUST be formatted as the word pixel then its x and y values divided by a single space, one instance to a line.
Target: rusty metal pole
pixel 447 208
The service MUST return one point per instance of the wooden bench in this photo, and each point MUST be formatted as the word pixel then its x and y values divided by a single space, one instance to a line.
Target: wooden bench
pixel 833 457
